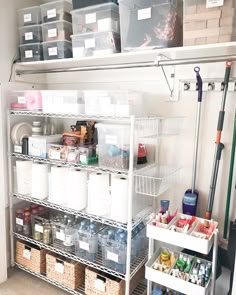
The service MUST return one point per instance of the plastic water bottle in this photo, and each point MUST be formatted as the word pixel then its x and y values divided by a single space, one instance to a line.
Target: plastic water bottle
pixel 92 241
pixel 110 250
pixel 122 247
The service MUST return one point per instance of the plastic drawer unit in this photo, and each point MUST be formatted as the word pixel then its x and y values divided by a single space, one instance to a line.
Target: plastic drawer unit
pixel 59 30
pixel 29 16
pixel 57 50
pixel 151 24
pixel 95 44
pixel 30 34
pixel 85 3
pixel 98 18
pixel 56 10
pixel 31 52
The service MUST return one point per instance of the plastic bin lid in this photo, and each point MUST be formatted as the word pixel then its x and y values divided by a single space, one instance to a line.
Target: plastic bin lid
pixel 28 27
pixel 28 8
pixel 56 42
pixel 55 2
pixel 56 22
pixel 85 3
pixel 30 45
pixel 105 5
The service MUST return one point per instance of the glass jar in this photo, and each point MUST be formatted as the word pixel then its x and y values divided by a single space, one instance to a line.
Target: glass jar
pixel 19 221
pixel 27 224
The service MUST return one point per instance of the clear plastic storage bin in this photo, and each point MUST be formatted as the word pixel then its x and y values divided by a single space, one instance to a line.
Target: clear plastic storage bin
pixel 56 10
pixel 114 246
pixel 95 44
pixel 57 50
pixel 30 34
pixel 29 16
pixel 85 3
pixel 98 18
pixel 31 52
pixel 59 30
pixel 113 103
pixel 65 102
pixel 113 145
pixel 87 239
pixel 151 24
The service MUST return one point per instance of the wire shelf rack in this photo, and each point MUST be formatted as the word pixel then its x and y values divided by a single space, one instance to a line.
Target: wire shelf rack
pixel 139 262
pixel 141 289
pixel 141 216
pixel 91 168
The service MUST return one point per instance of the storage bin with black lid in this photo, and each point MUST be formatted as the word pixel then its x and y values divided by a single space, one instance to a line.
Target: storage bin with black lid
pixel 85 3
pixel 151 24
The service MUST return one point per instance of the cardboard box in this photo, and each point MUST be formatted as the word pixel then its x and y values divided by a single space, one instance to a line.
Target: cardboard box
pixel 213 23
pixel 227 21
pixel 201 33
pixel 212 40
pixel 203 16
pixel 195 25
pixel 200 41
pixel 38 145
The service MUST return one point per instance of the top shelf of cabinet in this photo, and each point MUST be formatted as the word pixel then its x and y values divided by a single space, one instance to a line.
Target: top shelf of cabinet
pixel 147 58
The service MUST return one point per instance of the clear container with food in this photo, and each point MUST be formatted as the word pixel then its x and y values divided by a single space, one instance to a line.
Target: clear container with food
pixel 59 30
pixel 56 10
pixel 31 52
pixel 30 34
pixel 57 50
pixel 151 24
pixel 98 18
pixel 101 43
pixel 29 16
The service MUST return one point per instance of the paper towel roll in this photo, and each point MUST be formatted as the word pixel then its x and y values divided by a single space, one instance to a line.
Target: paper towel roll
pixel 77 192
pixel 119 198
pixel 58 185
pixel 99 199
pixel 24 177
pixel 39 181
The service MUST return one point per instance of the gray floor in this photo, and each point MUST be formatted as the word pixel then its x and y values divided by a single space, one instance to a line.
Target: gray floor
pixel 21 283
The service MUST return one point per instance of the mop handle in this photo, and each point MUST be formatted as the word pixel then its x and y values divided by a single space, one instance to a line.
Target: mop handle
pixel 199 83
pixel 222 111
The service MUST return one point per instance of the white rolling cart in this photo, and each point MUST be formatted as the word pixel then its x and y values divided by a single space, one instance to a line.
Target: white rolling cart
pixel 183 241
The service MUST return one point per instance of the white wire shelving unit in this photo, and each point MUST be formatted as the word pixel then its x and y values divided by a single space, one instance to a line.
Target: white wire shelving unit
pixel 148 129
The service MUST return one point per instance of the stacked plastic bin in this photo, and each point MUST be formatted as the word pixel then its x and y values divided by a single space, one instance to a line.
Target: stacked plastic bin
pixel 56 29
pixel 30 34
pixel 95 27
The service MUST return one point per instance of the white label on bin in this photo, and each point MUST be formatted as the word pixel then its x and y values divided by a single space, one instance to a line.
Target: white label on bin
pixel 90 18
pixel 111 139
pixel 29 36
pixel 27 254
pixel 100 285
pixel 19 221
pixel 52 51
pixel 28 53
pixel 59 267
pixel 112 256
pixel 27 18
pixel 60 235
pixel 55 155
pixel 214 3
pixel 52 13
pixel 35 152
pixel 18 149
pixel 84 245
pixel 144 13
pixel 83 159
pixel 89 43
pixel 38 228
pixel 52 33
pixel 21 99
pixel 105 24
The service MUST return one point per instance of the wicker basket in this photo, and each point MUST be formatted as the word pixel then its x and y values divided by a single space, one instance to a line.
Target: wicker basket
pixel 99 283
pixel 67 272
pixel 31 257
